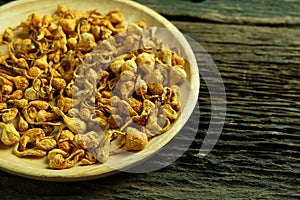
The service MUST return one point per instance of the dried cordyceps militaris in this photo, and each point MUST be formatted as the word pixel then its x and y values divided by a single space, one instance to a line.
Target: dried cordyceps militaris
pixel 64 75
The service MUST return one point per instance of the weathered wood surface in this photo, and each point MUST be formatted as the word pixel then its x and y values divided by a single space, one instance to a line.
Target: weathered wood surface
pixel 255 45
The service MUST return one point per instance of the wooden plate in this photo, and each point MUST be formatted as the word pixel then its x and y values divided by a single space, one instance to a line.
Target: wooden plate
pixel 13 13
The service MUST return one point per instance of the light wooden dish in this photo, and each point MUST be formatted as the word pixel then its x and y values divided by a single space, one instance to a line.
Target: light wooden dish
pixel 11 14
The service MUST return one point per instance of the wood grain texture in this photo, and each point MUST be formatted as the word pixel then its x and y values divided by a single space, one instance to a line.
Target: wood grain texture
pixel 258 154
pixel 259 12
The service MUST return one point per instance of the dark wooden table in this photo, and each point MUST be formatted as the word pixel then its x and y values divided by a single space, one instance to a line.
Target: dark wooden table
pixel 256 47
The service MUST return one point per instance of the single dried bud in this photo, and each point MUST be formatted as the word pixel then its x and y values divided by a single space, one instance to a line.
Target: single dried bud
pixel 47 19
pixel 85 27
pixel 141 24
pixel 66 135
pixel 36 20
pixel 44 116
pixel 125 108
pixel 101 119
pixel 164 122
pixel 87 42
pixel 18 94
pixel 148 107
pixel 8 35
pixel 116 66
pixel 155 89
pixel 19 103
pixel 165 56
pixel 134 140
pixel 47 143
pixel 52 27
pixel 73 112
pixel 64 103
pixel 9 134
pixel 68 25
pixel 88 159
pixel 42 105
pixel 146 62
pixel 20 82
pixel 6 89
pixel 129 65
pixel 3 105
pixel 41 63
pixel 65 146
pixel 126 89
pixel 30 136
pixel 169 112
pixel 105 32
pixel 44 32
pixel 29 152
pixel 31 94
pixel 136 105
pixel 74 124
pixel 177 75
pixel 22 63
pixel 78 142
pixel 9 114
pixel 72 42
pixel 59 83
pixel 4 81
pixel 28 46
pixel 177 60
pixel 34 134
pixel 96 31
pixel 22 124
pixel 90 140
pixel 61 10
pixel 174 98
pixel 56 158
pixel 115 17
pixel 127 76
pixel 30 113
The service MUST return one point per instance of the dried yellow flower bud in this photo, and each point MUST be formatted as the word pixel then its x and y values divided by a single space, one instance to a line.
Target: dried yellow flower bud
pixel 9 134
pixel 47 143
pixel 68 25
pixel 36 20
pixel 72 42
pixel 41 63
pixel 134 140
pixel 146 62
pixel 9 114
pixel 8 34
